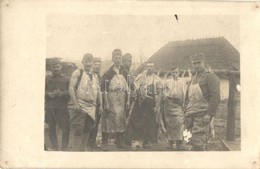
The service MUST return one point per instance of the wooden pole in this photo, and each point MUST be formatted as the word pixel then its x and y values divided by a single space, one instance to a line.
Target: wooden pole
pixel 231 117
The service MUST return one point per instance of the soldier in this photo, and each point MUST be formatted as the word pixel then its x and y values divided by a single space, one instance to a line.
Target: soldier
pixel 203 100
pixel 116 101
pixel 56 107
pixel 93 135
pixel 84 91
pixel 144 122
pixel 174 90
pixel 127 62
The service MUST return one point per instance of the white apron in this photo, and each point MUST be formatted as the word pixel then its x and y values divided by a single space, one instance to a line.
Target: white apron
pixel 173 110
pixel 86 94
pixel 197 102
pixel 114 119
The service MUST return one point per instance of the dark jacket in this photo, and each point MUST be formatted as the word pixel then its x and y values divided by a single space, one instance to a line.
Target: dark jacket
pixel 54 83
pixel 107 77
pixel 210 87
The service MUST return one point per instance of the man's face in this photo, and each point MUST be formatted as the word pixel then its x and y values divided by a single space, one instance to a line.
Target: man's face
pixel 150 68
pixel 117 59
pixel 127 63
pixel 199 66
pixel 87 65
pixel 56 69
pixel 175 73
pixel 96 67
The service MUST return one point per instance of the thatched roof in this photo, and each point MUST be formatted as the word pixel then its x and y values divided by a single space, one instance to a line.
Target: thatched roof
pixel 220 54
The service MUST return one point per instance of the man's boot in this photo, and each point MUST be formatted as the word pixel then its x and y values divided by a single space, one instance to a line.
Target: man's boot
pixel 198 148
pixel 178 145
pixel 120 140
pixel 170 147
pixel 104 141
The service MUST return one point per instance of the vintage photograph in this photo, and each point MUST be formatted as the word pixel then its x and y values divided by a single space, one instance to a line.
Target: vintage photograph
pixel 129 84
pixel 142 83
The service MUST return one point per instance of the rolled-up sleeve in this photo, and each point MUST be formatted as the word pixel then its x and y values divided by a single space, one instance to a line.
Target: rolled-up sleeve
pixel 214 93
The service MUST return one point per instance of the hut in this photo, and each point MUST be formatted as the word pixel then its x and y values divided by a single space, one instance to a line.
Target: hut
pixel 220 54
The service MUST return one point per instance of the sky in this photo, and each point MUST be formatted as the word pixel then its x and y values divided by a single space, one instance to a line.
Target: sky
pixel 71 36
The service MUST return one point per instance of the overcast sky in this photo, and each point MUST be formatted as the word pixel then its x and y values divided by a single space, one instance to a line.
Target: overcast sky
pixel 70 36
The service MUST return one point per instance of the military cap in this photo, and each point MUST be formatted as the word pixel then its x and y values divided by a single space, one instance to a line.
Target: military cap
pixel 88 57
pixel 127 56
pixel 116 52
pixel 97 59
pixel 198 57
pixel 174 67
pixel 55 62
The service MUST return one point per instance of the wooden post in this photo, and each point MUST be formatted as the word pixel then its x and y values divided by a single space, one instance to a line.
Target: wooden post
pixel 231 117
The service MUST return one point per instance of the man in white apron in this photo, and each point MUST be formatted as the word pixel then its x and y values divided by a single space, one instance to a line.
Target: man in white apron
pixel 203 100
pixel 116 101
pixel 143 124
pixel 84 91
pixel 174 90
pixel 126 64
pixel 92 138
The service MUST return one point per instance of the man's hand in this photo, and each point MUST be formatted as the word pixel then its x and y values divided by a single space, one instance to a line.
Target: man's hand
pixel 50 94
pixel 76 107
pixel 106 107
pixel 60 93
pixel 156 110
pixel 206 119
pixel 127 105
pixel 100 111
pixel 56 92
pixel 188 123
pixel 157 117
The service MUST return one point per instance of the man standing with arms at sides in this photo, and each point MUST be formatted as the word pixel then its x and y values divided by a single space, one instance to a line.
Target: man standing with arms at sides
pixel 56 106
pixel 144 122
pixel 203 100
pixel 84 92
pixel 96 69
pixel 126 64
pixel 116 101
pixel 174 91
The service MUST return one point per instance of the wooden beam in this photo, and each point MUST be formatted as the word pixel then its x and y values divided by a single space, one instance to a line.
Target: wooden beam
pixel 231 117
pixel 216 71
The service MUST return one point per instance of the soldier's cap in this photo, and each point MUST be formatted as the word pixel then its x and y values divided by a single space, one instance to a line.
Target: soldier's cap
pixel 56 62
pixel 97 59
pixel 88 57
pixel 174 67
pixel 127 56
pixel 198 57
pixel 116 52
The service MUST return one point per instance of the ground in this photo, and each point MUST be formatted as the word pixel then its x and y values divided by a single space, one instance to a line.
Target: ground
pixel 215 145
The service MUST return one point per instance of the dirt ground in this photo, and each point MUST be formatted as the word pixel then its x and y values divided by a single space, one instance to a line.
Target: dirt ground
pixel 215 145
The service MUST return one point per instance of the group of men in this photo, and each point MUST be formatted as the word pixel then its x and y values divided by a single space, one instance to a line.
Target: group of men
pixel 130 108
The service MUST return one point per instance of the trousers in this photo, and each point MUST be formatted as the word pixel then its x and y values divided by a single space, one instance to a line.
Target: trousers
pixel 81 125
pixel 58 117
pixel 199 130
